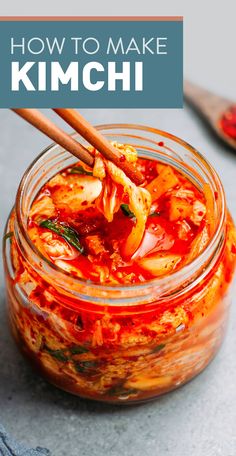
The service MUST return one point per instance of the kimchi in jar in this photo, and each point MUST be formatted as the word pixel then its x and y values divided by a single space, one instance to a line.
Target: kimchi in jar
pixel 118 292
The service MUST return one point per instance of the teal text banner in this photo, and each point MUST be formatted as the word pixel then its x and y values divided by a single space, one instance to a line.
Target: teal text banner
pixel 88 63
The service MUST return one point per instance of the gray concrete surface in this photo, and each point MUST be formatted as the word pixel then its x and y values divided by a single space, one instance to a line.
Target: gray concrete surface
pixel 198 419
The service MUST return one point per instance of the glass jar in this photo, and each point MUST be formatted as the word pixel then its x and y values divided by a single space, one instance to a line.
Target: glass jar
pixel 120 344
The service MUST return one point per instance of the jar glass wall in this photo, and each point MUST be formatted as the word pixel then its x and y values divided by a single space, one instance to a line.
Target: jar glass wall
pixel 120 343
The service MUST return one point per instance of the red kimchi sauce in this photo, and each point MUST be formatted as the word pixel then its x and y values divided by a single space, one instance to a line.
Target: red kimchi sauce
pixel 228 122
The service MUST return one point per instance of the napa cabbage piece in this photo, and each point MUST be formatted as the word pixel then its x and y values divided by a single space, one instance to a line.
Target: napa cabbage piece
pixel 210 208
pixel 198 244
pixel 127 150
pixel 75 191
pixel 43 207
pixel 160 264
pixel 165 181
pixel 115 185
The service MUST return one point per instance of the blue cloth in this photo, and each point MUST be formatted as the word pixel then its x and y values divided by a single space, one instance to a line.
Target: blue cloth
pixel 9 447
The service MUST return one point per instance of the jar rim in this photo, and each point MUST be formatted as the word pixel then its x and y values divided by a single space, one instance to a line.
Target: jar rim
pixel 162 283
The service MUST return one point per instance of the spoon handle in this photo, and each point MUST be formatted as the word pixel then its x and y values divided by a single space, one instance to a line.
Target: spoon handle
pixel 207 103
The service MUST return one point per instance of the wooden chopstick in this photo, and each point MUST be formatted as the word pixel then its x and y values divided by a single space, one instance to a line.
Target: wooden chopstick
pixel 87 131
pixel 94 137
pixel 46 126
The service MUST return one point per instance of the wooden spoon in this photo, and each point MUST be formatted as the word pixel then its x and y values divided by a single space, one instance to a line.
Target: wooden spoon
pixel 215 109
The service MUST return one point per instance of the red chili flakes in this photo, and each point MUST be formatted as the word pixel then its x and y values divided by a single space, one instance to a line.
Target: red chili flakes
pixel 233 249
pixel 30 222
pixel 216 195
pixel 228 122
pixel 161 144
pixel 122 158
pixel 126 198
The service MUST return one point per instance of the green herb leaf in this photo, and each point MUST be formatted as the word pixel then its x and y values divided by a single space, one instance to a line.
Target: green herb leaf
pixel 155 214
pixel 126 210
pixel 85 367
pixel 158 348
pixel 58 354
pixel 80 170
pixel 78 350
pixel 8 235
pixel 121 391
pixel 67 233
